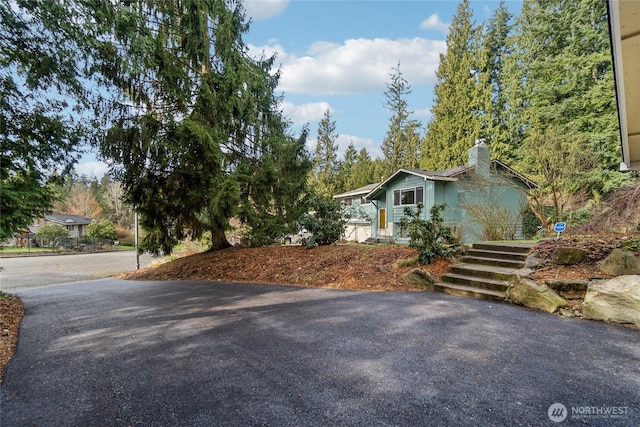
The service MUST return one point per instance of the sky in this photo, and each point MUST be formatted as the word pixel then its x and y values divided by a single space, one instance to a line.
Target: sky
pixel 339 55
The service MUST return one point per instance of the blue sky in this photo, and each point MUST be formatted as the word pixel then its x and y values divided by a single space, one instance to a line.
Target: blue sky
pixel 339 54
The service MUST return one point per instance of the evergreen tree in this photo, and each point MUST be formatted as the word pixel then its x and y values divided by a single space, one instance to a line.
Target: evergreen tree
pixel 493 100
pixel 200 140
pixel 401 145
pixel 567 89
pixel 363 171
pixel 43 49
pixel 325 167
pixel 456 121
pixel 345 170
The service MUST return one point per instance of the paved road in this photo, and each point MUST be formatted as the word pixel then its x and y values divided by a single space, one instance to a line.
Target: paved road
pixel 46 269
pixel 123 353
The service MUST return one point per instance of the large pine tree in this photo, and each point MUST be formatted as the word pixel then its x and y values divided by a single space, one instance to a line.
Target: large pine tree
pixel 562 88
pixel 200 139
pixel 45 49
pixel 325 159
pixel 455 121
pixel 401 144
pixel 345 169
pixel 494 51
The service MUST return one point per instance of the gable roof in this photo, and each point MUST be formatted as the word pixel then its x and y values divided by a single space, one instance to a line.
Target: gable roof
pixel 526 181
pixel 450 174
pixel 357 192
pixel 69 219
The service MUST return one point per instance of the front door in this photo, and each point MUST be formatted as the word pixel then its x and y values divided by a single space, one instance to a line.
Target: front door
pixel 382 219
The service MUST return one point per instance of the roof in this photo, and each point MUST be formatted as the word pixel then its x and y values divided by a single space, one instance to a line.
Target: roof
pixel 69 219
pixel 450 174
pixel 624 23
pixel 513 173
pixel 357 192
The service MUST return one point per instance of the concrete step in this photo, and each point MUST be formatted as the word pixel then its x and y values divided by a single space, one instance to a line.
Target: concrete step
pixel 483 271
pixel 522 248
pixel 469 291
pixel 484 253
pixel 497 262
pixel 376 240
pixel 477 282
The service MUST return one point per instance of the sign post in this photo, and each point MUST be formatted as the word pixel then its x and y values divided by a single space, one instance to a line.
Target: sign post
pixel 559 228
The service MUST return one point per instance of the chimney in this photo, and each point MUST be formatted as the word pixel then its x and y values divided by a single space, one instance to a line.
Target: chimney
pixel 480 157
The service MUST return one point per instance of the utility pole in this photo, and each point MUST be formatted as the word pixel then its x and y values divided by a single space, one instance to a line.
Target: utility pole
pixel 135 220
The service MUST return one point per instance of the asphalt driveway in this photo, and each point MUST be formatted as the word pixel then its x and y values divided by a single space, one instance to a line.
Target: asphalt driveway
pixel 111 352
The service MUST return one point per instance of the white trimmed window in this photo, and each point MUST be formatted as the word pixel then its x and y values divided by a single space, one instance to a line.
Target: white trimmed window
pixel 408 196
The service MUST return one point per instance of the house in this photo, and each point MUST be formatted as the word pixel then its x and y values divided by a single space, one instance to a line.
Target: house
pixel 76 224
pixel 358 212
pixel 482 198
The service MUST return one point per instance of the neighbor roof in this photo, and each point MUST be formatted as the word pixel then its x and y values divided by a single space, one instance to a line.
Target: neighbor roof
pixel 358 191
pixel 69 219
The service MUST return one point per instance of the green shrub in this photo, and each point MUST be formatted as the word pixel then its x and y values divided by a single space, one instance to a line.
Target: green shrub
pixel 430 237
pixel 325 224
pixel 632 244
pixel 102 230
pixel 50 233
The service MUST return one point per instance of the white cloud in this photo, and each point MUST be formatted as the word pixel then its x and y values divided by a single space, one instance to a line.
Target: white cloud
pixel 92 169
pixel 343 141
pixel 355 66
pixel 423 112
pixel 263 9
pixel 321 47
pixel 372 147
pixel 434 22
pixel 306 113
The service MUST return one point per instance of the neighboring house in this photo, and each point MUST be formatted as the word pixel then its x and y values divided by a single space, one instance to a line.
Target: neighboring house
pixel 358 212
pixel 76 224
pixel 482 193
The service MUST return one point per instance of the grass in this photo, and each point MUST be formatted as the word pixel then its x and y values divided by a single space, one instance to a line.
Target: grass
pixel 15 250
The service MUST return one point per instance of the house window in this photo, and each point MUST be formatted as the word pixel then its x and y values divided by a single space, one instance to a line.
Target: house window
pixel 409 196
pixel 71 227
pixel 363 200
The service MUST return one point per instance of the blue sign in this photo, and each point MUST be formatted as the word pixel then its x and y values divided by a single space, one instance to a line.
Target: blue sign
pixel 560 227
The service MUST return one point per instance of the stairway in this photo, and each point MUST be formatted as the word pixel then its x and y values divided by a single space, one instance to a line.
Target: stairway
pixel 485 271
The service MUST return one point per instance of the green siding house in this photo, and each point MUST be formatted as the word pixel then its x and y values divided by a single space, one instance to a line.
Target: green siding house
pixel 482 198
pixel 358 212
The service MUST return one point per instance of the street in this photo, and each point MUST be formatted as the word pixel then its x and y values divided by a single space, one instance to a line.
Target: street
pixel 123 353
pixel 25 271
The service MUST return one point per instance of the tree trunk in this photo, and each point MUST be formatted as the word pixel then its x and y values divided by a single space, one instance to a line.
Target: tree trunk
pixel 218 239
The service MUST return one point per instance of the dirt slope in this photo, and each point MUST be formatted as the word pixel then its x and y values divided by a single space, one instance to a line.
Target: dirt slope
pixel 346 266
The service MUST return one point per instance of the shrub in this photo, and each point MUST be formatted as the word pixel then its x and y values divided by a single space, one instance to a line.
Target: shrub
pixel 430 237
pixel 125 237
pixel 50 233
pixel 325 224
pixel 102 230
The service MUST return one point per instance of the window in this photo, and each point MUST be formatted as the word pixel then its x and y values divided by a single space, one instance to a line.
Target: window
pixel 409 196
